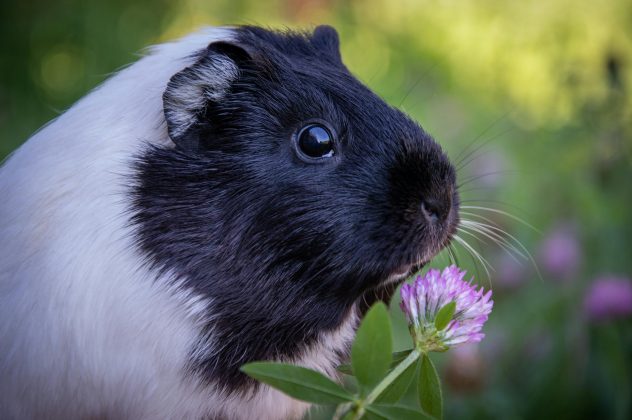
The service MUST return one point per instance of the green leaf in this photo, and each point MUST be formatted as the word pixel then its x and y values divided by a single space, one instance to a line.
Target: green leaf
pixel 396 390
pixel 345 411
pixel 397 357
pixel 345 368
pixel 429 388
pixel 444 316
pixel 348 416
pixel 394 412
pixel 371 350
pixel 298 382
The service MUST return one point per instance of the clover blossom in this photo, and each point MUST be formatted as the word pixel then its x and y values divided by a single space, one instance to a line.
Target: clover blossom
pixel 458 323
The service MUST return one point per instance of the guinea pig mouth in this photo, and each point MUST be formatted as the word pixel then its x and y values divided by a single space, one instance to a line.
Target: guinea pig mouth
pixel 405 272
pixel 384 291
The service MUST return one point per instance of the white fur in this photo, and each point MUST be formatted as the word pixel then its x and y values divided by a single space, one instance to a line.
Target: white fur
pixel 86 330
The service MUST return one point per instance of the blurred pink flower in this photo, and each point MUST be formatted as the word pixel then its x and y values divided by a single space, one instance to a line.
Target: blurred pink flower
pixel 560 253
pixel 609 297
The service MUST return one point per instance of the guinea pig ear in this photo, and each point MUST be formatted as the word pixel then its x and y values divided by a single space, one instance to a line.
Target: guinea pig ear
pixel 189 91
pixel 325 38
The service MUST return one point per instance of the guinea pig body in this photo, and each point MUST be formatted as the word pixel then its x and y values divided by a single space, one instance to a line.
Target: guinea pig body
pixel 150 245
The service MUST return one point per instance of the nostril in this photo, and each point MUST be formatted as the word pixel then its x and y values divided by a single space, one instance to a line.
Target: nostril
pixel 430 210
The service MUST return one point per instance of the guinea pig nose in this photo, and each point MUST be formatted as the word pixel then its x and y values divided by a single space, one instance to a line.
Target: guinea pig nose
pixel 430 210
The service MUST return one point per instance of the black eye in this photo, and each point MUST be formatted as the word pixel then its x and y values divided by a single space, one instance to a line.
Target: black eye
pixel 315 141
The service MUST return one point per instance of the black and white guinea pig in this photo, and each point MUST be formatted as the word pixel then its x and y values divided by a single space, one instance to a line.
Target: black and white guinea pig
pixel 236 195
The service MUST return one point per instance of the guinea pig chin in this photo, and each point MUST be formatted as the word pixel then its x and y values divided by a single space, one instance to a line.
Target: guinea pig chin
pixel 385 290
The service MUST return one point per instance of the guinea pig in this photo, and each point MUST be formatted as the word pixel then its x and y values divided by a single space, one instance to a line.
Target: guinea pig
pixel 233 196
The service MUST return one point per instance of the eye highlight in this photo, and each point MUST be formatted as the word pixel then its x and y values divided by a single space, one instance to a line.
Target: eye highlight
pixel 315 141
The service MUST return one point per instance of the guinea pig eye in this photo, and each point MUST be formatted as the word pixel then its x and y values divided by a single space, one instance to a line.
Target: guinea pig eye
pixel 315 141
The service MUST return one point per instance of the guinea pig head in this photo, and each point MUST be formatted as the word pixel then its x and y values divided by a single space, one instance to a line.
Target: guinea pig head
pixel 292 192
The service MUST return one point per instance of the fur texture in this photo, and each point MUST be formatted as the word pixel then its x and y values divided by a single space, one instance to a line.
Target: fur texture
pixel 163 231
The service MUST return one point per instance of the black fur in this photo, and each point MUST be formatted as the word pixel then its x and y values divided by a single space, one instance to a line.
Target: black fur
pixel 284 248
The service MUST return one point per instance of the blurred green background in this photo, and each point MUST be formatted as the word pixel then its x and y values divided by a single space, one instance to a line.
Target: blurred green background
pixel 532 98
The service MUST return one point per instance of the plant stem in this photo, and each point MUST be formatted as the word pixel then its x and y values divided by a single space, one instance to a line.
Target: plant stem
pixel 342 410
pixel 393 374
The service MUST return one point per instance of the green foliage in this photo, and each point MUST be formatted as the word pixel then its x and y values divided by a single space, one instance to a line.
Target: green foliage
pixel 396 390
pixel 429 389
pixel 394 412
pixel 379 390
pixel 371 357
pixel 444 316
pixel 298 382
pixel 371 351
pixel 397 357
pixel 542 88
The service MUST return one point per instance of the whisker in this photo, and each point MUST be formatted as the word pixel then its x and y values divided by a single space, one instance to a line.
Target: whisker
pixel 450 257
pixel 465 229
pixel 472 257
pixel 489 200
pixel 499 202
pixel 448 252
pixel 458 158
pixel 422 76
pixel 470 157
pixel 501 242
pixel 486 265
pixel 454 252
pixel 422 98
pixel 492 233
pixel 467 213
pixel 478 188
pixel 504 213
pixel 453 257
pixel 495 230
pixel 409 92
pixel 447 255
pixel 526 255
pixel 498 240
pixel 474 178
pixel 491 225
pixel 467 232
pixel 467 151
